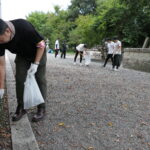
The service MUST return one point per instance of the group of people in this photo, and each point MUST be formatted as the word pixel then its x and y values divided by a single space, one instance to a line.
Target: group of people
pixel 63 49
pixel 113 47
pixel 80 50
pixel 113 52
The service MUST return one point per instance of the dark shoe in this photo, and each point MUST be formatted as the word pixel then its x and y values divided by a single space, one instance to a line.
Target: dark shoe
pixel 39 115
pixel 18 115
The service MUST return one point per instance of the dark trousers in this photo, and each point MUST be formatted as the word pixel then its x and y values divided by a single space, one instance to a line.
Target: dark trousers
pixel 116 61
pixel 22 66
pixel 63 54
pixel 56 52
pixel 76 55
pixel 109 56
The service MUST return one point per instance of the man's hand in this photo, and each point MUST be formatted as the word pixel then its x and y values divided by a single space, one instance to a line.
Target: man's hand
pixel 1 93
pixel 33 69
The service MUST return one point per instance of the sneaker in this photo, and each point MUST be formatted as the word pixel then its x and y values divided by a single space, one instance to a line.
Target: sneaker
pixel 74 63
pixel 115 69
pixel 80 64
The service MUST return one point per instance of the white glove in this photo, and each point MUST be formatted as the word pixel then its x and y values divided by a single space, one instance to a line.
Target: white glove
pixel 1 93
pixel 33 69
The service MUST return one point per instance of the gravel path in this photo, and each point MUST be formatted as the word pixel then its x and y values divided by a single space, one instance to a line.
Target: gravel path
pixel 94 108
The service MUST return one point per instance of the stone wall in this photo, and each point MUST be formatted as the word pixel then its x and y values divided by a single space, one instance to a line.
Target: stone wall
pixel 137 58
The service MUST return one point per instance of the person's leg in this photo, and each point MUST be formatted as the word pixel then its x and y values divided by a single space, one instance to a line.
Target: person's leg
pixel 111 57
pixel 114 61
pixel 118 61
pixel 22 66
pixel 76 55
pixel 41 81
pixel 61 54
pixel 81 56
pixel 106 60
pixel 56 53
pixel 64 54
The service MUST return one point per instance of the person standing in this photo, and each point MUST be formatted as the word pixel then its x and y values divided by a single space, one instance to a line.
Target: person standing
pixel 116 54
pixel 20 37
pixel 63 50
pixel 110 47
pixel 57 47
pixel 79 50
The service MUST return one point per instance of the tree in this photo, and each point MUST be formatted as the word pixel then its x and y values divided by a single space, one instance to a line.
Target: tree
pixel 128 20
pixel 38 19
pixel 84 32
pixel 81 7
pixel 138 20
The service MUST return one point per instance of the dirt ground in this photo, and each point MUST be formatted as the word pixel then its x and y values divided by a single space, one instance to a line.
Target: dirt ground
pixel 5 132
pixel 94 108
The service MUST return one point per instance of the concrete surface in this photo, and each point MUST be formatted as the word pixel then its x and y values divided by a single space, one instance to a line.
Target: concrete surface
pixel 21 131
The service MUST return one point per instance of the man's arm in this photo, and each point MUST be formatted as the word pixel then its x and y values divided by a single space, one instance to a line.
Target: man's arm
pixel 2 71
pixel 40 51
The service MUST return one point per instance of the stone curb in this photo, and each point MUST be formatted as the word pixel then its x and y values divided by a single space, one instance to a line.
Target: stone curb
pixel 21 131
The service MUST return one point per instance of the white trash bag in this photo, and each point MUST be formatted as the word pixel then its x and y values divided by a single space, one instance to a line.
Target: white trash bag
pixel 32 94
pixel 87 57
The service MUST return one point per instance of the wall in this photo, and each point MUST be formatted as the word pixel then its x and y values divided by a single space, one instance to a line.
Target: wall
pixel 137 58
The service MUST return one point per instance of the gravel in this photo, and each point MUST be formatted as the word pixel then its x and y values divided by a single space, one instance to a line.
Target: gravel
pixel 94 108
pixel 5 132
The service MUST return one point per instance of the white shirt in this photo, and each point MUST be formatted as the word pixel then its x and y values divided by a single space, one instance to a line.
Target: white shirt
pixel 117 47
pixel 57 44
pixel 80 48
pixel 110 46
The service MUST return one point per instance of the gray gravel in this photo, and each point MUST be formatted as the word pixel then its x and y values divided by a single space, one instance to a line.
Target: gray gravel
pixel 94 108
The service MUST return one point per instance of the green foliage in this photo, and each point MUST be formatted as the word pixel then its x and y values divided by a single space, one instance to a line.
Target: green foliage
pixel 81 7
pixel 91 21
pixel 124 19
pixel 59 26
pixel 38 19
pixel 84 32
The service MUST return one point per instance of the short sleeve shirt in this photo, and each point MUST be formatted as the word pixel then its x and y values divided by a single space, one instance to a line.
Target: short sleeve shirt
pixel 80 47
pixel 57 44
pixel 25 40
pixel 117 47
pixel 110 47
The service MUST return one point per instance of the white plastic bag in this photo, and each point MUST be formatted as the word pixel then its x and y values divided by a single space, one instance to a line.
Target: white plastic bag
pixel 87 57
pixel 32 94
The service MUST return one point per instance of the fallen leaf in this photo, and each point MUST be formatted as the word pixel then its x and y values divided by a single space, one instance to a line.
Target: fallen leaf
pixel 125 106
pixel 93 124
pixel 110 124
pixel 90 148
pixel 143 123
pixel 61 124
pixel 117 140
pixel 148 144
